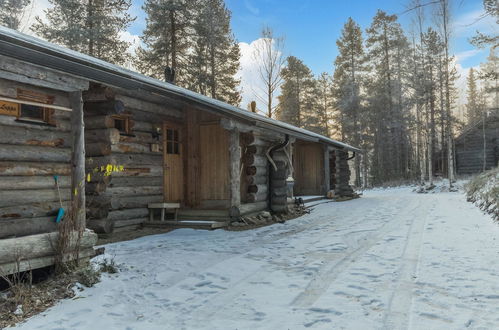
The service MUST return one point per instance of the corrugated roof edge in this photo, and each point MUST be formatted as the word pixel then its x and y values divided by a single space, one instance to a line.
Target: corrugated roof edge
pixel 31 42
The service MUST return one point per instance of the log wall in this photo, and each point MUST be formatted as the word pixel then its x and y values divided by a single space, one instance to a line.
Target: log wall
pixel 470 152
pixel 31 154
pixel 120 198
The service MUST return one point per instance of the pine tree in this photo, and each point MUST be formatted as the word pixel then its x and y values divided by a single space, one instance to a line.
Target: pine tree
pixel 388 108
pixel 325 103
pixel 296 102
pixel 167 38
pixel 473 105
pixel 88 26
pixel 350 66
pixel 11 12
pixel 490 77
pixel 215 55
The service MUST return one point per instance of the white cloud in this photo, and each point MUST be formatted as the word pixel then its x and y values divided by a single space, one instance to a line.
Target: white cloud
pixel 461 56
pixel 251 8
pixel 467 24
pixel 251 83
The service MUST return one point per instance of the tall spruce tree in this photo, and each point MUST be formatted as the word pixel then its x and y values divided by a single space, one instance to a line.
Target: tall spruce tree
pixel 350 66
pixel 325 103
pixel 11 12
pixel 388 49
pixel 88 26
pixel 297 101
pixel 473 107
pixel 215 56
pixel 167 38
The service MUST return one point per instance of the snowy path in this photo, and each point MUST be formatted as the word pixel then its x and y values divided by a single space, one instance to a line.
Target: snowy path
pixel 390 260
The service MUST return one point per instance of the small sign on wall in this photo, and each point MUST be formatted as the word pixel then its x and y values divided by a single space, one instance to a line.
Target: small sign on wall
pixel 9 108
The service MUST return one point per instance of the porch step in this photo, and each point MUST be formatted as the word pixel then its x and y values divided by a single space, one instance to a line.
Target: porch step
pixel 196 224
pixel 203 215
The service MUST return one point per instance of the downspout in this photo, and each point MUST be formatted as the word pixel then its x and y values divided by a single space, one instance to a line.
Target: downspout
pixel 269 154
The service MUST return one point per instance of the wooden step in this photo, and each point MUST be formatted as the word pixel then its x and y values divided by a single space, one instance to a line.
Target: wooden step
pixel 196 224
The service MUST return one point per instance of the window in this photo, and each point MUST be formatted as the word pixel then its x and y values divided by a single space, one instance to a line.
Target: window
pixel 122 123
pixel 172 141
pixel 34 113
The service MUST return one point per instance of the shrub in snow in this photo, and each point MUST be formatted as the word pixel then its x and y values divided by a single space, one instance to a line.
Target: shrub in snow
pixel 483 190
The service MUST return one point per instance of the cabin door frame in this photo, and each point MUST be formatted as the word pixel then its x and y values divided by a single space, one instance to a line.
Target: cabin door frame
pixel 173 162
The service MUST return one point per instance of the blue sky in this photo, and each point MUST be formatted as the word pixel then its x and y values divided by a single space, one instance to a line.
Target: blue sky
pixel 311 27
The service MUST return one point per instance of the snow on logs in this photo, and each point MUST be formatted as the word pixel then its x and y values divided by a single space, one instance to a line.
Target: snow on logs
pixel 255 164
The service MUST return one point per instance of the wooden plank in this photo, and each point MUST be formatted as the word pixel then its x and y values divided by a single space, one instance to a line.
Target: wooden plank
pixel 214 161
pixel 234 168
pixel 78 159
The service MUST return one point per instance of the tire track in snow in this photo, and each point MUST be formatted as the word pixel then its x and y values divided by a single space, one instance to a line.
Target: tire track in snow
pixel 398 312
pixel 328 274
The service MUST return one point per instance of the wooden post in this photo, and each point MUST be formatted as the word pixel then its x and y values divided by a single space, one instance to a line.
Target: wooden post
pixel 234 168
pixel 78 159
pixel 327 171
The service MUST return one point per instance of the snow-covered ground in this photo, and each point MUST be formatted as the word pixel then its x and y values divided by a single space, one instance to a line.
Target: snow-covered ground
pixel 392 259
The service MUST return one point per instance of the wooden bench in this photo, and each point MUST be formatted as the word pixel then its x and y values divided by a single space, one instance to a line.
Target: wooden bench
pixel 173 207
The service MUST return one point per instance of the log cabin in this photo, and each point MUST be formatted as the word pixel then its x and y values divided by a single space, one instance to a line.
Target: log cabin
pixel 140 149
pixel 477 147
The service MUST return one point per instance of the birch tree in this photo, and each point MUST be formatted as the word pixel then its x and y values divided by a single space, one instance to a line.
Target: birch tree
pixel 269 55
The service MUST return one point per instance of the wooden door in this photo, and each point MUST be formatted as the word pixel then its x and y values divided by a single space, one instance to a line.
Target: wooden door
pixel 309 169
pixel 173 176
pixel 214 165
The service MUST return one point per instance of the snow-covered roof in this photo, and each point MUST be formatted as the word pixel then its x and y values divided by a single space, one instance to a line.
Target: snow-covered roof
pixel 33 50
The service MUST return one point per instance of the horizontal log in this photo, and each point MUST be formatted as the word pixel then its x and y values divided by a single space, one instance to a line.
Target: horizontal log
pixel 128 214
pixel 255 160
pixel 36 263
pixel 143 126
pixel 94 213
pixel 135 103
pixel 60 125
pixel 34 153
pixel 256 197
pixel 97 122
pixel 259 188
pixel 40 245
pixel 134 191
pixel 33 182
pixel 95 188
pixel 283 191
pixel 136 181
pixel 125 160
pixel 21 197
pixel 101 226
pixel 97 149
pixel 256 149
pixel 27 136
pixel 130 222
pixel 140 171
pixel 131 147
pixel 123 202
pixel 34 210
pixel 139 137
pixel 110 107
pixel 257 179
pixel 34 168
pixel 247 208
pixel 278 208
pixel 256 170
pixel 104 135
pixel 247 139
pixel 27 226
